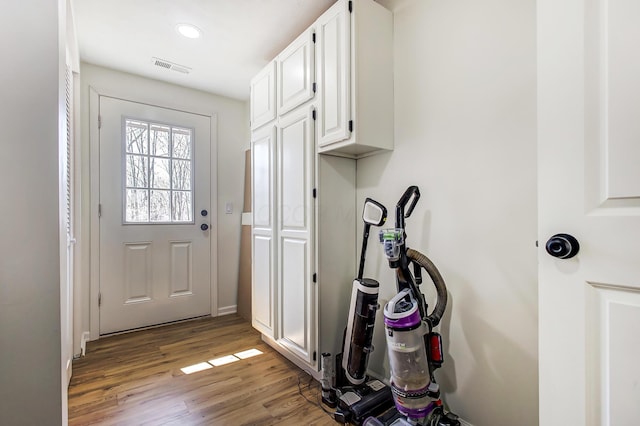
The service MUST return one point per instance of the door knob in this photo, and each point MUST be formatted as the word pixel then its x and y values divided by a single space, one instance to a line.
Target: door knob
pixel 204 212
pixel 204 226
pixel 562 246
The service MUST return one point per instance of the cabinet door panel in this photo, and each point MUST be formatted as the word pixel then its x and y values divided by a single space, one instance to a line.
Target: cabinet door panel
pixel 263 174
pixel 295 301
pixel 296 68
pixel 294 182
pixel 295 233
pixel 263 96
pixel 334 71
pixel 263 290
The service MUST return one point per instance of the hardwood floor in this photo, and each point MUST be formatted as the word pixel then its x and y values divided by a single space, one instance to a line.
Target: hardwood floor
pixel 136 379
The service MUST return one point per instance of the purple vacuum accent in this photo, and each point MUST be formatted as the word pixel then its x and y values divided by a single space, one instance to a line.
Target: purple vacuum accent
pixel 417 413
pixel 403 322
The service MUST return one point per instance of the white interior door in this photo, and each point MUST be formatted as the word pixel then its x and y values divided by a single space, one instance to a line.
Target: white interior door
pixel 154 215
pixel 67 234
pixel 589 187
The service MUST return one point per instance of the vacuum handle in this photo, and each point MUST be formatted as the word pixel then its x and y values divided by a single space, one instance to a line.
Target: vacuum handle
pixel 363 252
pixel 391 305
pixel 412 195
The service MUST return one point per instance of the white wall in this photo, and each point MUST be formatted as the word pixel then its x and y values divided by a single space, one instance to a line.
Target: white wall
pixel 31 118
pixel 233 140
pixel 465 133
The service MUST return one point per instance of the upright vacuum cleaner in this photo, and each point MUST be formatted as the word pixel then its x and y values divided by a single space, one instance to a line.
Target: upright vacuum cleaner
pixel 414 349
pixel 353 394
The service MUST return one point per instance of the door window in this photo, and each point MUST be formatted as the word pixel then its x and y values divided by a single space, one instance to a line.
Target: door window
pixel 158 181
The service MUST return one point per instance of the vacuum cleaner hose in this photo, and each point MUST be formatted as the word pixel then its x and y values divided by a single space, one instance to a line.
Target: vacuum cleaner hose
pixel 441 288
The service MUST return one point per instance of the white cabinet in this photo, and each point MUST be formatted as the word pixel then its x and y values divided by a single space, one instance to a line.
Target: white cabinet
pixel 333 35
pixel 263 96
pixel 303 239
pixel 304 212
pixel 295 73
pixel 355 78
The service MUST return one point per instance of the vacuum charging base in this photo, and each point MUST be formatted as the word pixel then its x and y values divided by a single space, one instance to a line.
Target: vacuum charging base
pixel 357 403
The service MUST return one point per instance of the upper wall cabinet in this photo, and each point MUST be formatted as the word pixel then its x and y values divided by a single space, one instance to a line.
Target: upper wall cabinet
pixel 355 78
pixel 334 74
pixel 295 73
pixel 263 96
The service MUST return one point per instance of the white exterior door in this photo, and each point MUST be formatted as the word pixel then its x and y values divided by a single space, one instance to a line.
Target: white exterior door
pixel 295 180
pixel 589 187
pixel 155 194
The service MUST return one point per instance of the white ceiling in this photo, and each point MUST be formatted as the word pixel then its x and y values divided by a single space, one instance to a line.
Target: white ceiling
pixel 239 37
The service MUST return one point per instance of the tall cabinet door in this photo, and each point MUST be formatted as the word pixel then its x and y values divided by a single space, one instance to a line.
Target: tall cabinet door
pixel 296 73
pixel 333 31
pixel 295 164
pixel 263 238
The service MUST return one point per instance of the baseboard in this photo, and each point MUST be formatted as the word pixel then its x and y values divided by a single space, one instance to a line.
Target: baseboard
pixel 227 310
pixel 294 359
pixel 464 422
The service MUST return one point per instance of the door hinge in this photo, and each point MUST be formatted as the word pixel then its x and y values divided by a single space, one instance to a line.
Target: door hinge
pixel 313 113
pixel 99 299
pixel 314 89
pixel 351 125
pixel 314 355
pixel 350 6
pixel 99 122
pixel 315 277
pixel 313 37
pixel 315 193
pixel 99 210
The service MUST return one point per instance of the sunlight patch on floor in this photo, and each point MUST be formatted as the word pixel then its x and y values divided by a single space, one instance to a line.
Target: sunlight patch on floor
pixel 196 367
pixel 248 354
pixel 224 360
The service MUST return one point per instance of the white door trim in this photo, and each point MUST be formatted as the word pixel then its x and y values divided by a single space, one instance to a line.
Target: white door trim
pixel 94 150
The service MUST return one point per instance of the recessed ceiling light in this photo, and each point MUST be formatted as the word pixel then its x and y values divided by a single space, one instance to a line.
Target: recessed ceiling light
pixel 188 30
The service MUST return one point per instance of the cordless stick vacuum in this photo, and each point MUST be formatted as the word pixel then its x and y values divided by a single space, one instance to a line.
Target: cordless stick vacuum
pixel 414 349
pixel 355 396
pixel 364 304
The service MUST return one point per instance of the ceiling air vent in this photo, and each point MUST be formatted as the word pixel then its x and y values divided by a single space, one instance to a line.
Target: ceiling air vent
pixel 162 63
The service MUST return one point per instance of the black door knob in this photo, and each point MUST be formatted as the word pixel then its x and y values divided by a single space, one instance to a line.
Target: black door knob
pixel 204 212
pixel 204 226
pixel 562 246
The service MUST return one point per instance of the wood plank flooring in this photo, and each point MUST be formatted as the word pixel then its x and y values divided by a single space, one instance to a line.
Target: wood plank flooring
pixel 135 379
